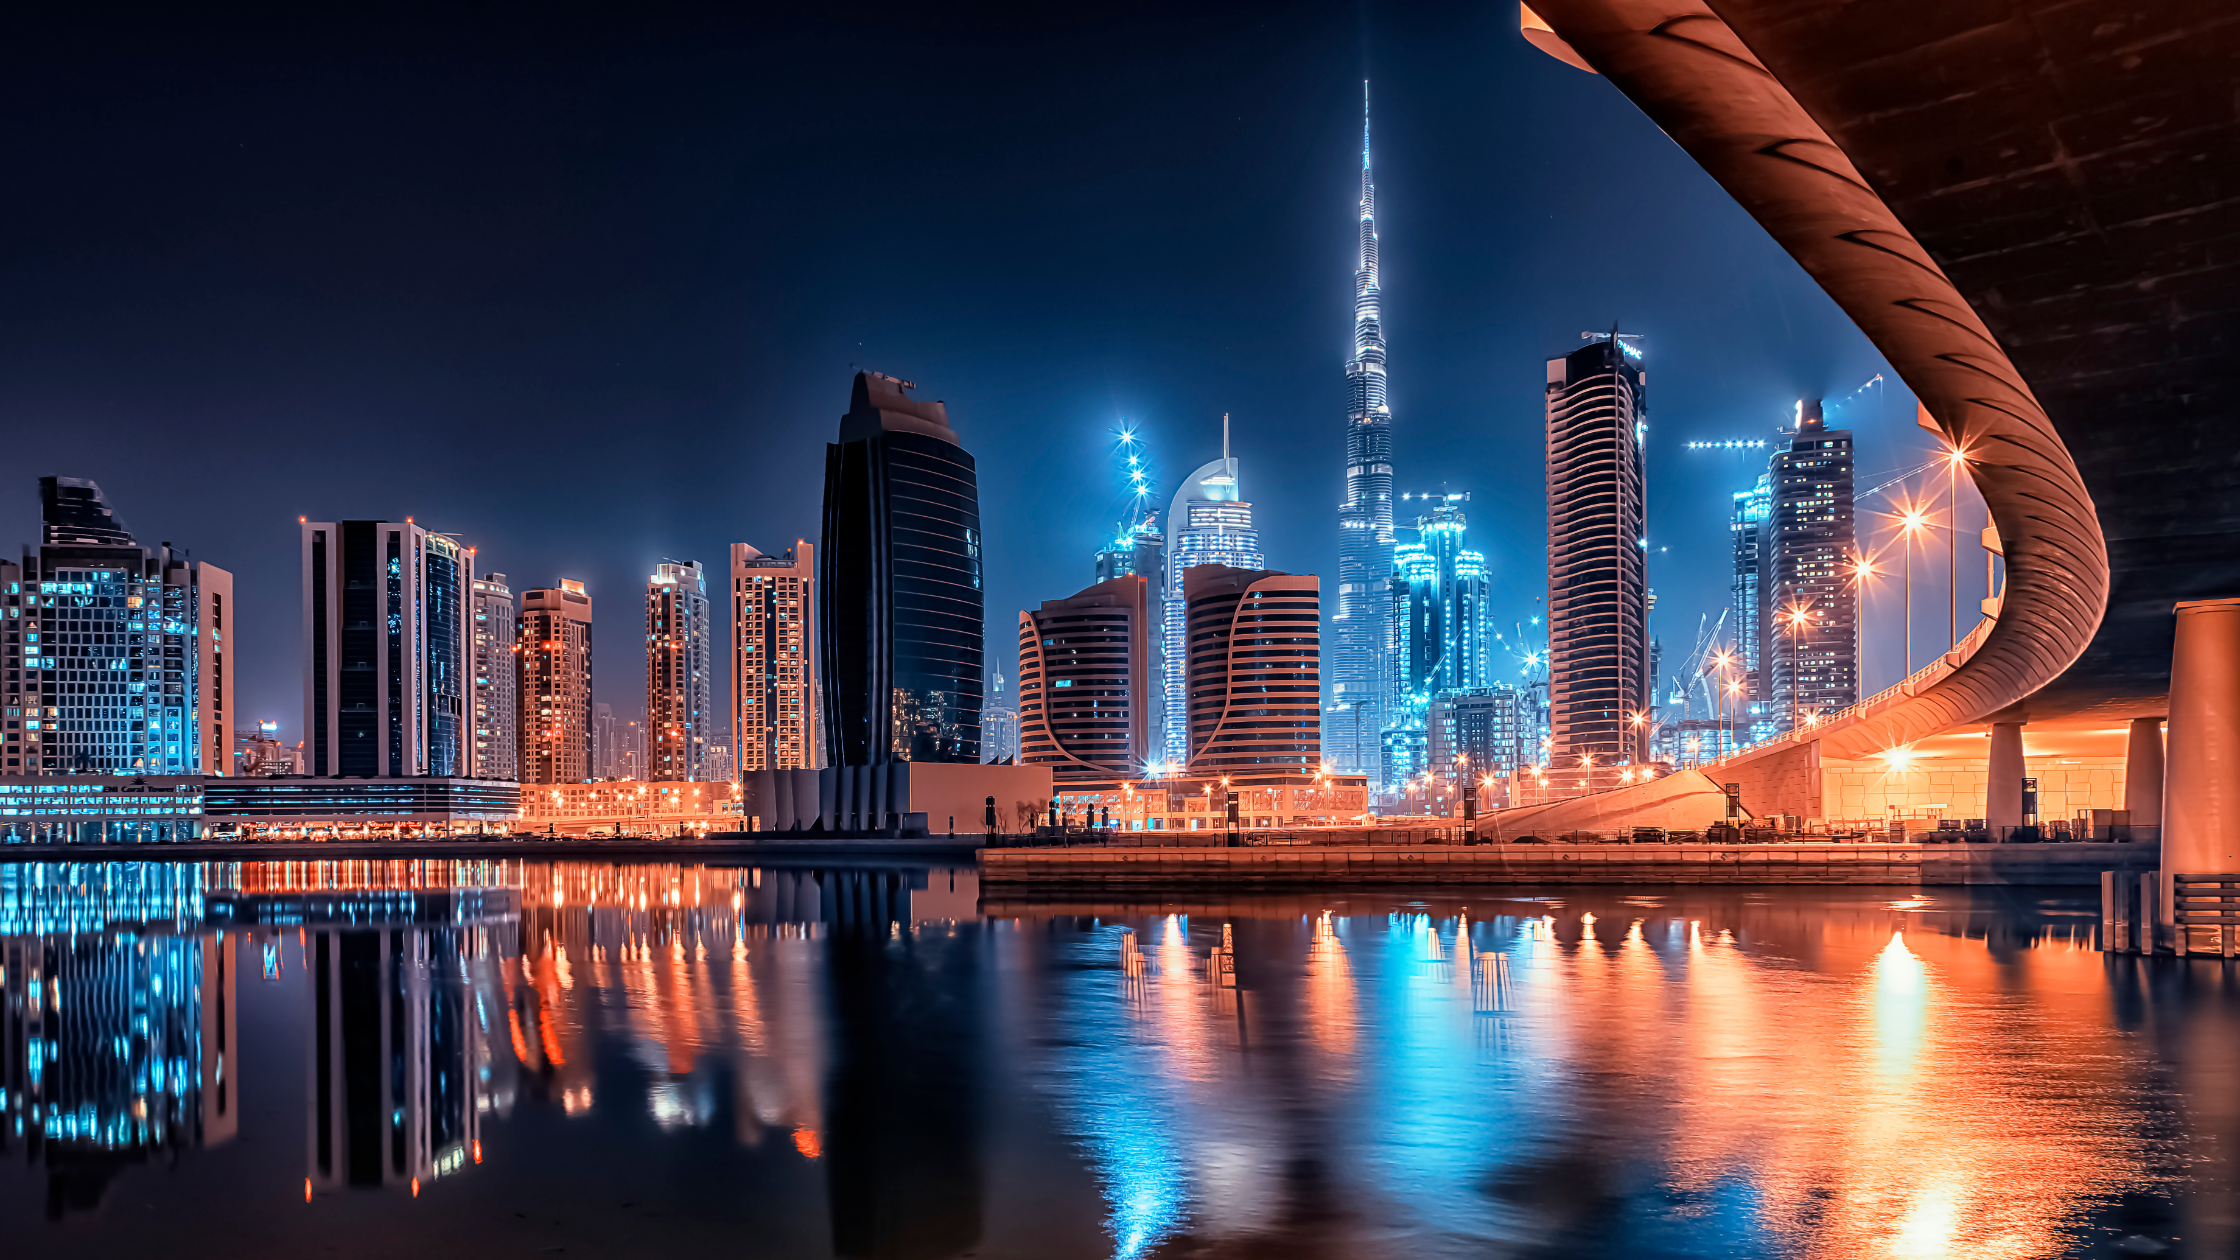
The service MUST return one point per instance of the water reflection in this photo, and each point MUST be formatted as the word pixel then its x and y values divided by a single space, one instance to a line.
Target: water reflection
pixel 866 1061
pixel 119 1017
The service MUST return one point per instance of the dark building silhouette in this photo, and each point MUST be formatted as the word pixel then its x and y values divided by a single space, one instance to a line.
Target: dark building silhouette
pixel 903 607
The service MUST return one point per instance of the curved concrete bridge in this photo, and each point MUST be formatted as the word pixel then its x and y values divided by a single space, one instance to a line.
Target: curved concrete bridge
pixel 2033 210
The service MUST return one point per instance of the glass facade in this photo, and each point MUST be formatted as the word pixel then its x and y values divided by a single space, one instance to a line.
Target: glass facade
pixel 113 653
pixel 904 605
pixel 496 747
pixel 1207 523
pixel 344 800
pixel 388 606
pixel 1362 622
pixel 101 809
pixel 1598 610
pixel 680 706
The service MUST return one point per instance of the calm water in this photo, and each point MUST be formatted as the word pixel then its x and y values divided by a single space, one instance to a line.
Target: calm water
pixel 496 1059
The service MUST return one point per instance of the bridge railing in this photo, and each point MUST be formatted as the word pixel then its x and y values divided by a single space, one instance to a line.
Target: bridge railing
pixel 1904 689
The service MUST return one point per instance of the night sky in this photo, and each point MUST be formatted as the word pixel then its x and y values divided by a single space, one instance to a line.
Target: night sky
pixel 588 291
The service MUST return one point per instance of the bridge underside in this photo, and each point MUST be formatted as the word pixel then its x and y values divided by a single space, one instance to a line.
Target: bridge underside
pixel 2033 209
pixel 2070 166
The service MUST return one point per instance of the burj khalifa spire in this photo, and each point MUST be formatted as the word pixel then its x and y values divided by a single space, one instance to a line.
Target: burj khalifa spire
pixel 1357 709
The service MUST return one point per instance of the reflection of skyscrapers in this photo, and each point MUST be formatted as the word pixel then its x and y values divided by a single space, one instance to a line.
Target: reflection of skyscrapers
pixel 1255 672
pixel 901 606
pixel 496 739
pixel 902 1151
pixel 1811 614
pixel 387 661
pixel 394 1051
pixel 1085 682
pixel 680 677
pixel 115 660
pixel 1597 564
pixel 1207 523
pixel 554 691
pixel 118 1021
pixel 775 697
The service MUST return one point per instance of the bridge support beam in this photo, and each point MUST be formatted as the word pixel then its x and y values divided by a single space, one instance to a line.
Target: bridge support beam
pixel 2002 804
pixel 2142 778
pixel 2201 781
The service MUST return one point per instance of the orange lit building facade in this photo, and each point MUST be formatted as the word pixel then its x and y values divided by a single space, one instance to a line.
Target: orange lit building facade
pixel 555 685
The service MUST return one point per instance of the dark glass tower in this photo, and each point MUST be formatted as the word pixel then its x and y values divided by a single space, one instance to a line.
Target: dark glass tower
pixel 903 610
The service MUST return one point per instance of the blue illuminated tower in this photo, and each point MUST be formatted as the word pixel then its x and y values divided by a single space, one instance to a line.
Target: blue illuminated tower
pixel 1207 523
pixel 1356 712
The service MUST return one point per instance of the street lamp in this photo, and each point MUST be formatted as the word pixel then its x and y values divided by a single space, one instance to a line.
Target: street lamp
pixel 1796 615
pixel 1911 521
pixel 1953 460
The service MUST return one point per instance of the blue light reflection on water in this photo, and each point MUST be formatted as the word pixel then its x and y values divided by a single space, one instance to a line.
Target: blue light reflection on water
pixel 1115 1096
pixel 664 1055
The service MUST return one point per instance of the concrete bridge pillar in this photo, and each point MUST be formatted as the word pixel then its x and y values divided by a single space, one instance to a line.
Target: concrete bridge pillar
pixel 2201 778
pixel 2142 777
pixel 2002 804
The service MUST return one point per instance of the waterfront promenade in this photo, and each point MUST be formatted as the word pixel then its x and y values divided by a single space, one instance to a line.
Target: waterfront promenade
pixel 1272 867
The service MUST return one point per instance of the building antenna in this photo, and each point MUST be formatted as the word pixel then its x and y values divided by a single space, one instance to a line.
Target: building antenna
pixel 1224 437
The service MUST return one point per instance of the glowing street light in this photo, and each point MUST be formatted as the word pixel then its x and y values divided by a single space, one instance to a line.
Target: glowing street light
pixel 1797 615
pixel 1911 521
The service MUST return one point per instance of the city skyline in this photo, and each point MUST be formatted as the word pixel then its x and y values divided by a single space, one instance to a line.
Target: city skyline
pixel 1264 337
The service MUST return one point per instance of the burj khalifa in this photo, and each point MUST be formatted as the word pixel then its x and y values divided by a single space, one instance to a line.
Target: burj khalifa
pixel 1356 710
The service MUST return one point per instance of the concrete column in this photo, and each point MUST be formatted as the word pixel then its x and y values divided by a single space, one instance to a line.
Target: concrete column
pixel 2201 779
pixel 2142 776
pixel 2002 804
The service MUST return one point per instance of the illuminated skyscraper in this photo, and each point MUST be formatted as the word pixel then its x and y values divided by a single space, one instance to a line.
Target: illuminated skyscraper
pixel 605 743
pixel 1362 622
pixel 901 605
pixel 774 692
pixel 1255 671
pixel 115 655
pixel 999 738
pixel 1598 613
pixel 1085 682
pixel 554 688
pixel 680 676
pixel 388 659
pixel 1810 537
pixel 1442 631
pixel 1751 508
pixel 494 626
pixel 1207 523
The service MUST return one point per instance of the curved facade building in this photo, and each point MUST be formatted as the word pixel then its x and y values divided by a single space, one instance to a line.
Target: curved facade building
pixel 900 630
pixel 1207 523
pixel 1598 616
pixel 1255 672
pixel 1085 681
